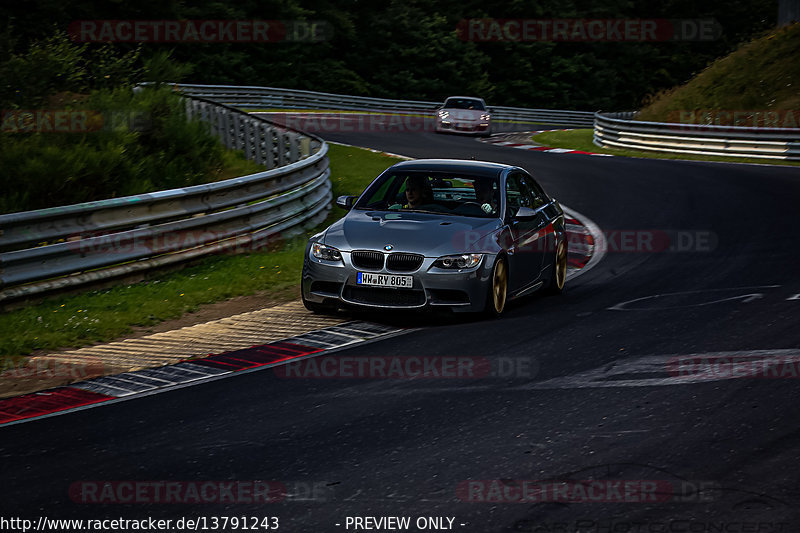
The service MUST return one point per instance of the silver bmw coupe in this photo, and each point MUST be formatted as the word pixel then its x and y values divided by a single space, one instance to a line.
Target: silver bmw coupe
pixel 439 233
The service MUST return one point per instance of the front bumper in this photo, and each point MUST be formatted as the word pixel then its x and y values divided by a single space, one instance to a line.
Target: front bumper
pixel 468 127
pixel 329 283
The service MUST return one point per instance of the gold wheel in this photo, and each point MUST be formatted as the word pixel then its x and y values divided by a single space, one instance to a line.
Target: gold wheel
pixel 499 286
pixel 561 266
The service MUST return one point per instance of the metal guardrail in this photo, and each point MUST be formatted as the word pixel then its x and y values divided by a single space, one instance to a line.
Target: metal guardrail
pixel 250 97
pixel 66 246
pixel 619 130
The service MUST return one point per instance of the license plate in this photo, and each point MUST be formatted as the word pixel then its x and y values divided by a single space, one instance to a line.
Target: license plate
pixel 385 280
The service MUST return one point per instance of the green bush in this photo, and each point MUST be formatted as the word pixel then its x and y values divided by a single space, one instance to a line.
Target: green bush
pixel 135 142
pixel 145 143
pixel 56 65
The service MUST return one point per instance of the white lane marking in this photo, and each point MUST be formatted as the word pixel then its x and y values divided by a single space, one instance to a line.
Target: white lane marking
pixel 205 378
pixel 745 298
pixel 537 147
pixel 793 297
pixel 668 370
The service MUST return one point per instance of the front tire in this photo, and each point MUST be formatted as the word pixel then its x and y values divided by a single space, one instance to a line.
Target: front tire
pixel 498 289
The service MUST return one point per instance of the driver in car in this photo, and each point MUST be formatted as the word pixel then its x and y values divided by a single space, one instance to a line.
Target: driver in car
pixel 418 193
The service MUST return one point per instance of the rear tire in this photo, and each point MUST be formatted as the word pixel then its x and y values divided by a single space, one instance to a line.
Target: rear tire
pixel 497 296
pixel 559 277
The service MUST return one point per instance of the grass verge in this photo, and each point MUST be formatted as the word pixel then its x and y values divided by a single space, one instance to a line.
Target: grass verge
pixel 234 164
pixel 102 315
pixel 581 139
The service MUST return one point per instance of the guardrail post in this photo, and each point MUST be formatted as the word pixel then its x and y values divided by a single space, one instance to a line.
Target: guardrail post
pixel 233 121
pixel 203 111
pixel 226 128
pixel 269 145
pixel 247 132
pixel 281 146
pixel 305 147
pixel 214 120
pixel 293 147
pixel 258 142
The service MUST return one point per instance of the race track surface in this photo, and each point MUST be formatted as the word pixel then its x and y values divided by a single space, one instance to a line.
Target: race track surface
pixel 587 392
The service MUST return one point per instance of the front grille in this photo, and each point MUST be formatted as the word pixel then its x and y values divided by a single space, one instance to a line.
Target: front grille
pixel 381 296
pixel 367 259
pixel 404 262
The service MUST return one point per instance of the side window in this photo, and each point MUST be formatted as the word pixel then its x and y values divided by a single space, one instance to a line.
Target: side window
pixel 539 197
pixel 518 194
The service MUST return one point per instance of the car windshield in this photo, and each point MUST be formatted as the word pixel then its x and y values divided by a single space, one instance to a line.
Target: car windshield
pixel 427 192
pixel 464 103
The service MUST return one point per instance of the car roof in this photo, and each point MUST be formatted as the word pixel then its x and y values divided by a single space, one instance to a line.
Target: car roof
pixel 465 97
pixel 464 166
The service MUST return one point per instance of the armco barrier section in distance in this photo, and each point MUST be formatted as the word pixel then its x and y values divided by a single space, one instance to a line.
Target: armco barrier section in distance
pixel 275 98
pixel 619 130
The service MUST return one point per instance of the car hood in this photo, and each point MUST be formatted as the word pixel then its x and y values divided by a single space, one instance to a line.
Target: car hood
pixel 465 114
pixel 428 234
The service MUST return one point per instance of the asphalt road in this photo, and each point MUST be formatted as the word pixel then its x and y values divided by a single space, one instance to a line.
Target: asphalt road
pixel 584 392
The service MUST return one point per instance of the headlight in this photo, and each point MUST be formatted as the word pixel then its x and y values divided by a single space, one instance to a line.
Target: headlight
pixel 329 253
pixel 458 261
pixel 486 116
pixel 443 113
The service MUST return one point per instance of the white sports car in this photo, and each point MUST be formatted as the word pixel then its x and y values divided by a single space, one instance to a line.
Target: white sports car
pixel 464 114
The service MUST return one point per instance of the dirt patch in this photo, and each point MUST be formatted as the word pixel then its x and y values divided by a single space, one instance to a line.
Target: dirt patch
pixel 217 310
pixel 48 374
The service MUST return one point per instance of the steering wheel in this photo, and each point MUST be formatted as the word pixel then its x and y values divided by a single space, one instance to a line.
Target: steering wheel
pixel 479 206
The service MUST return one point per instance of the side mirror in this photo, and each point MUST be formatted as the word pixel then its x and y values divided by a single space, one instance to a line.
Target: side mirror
pixel 346 202
pixel 525 213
